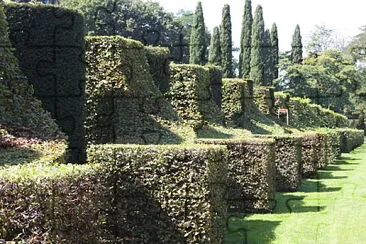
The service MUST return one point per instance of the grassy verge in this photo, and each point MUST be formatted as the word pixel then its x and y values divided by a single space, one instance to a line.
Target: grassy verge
pixel 329 208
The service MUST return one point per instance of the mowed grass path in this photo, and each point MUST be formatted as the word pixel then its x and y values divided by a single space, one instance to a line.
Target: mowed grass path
pixel 329 208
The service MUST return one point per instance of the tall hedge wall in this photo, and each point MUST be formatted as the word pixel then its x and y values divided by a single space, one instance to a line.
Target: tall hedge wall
pixel 163 194
pixel 237 96
pixel 264 99
pixel 123 105
pixel 49 43
pixel 191 96
pixel 350 139
pixel 251 174
pixel 158 60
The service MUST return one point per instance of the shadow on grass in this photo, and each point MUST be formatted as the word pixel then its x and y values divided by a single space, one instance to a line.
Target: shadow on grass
pixel 328 175
pixel 345 158
pixel 242 230
pixel 342 162
pixel 334 167
pixel 210 132
pixel 17 156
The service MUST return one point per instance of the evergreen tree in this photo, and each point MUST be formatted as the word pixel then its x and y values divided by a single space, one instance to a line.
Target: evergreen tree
pixel 198 46
pixel 226 43
pixel 256 58
pixel 275 50
pixel 296 50
pixel 215 48
pixel 246 40
pixel 268 59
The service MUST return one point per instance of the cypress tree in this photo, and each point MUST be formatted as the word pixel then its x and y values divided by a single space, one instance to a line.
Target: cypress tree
pixel 267 58
pixel 226 43
pixel 275 50
pixel 246 40
pixel 215 48
pixel 256 58
pixel 296 50
pixel 198 46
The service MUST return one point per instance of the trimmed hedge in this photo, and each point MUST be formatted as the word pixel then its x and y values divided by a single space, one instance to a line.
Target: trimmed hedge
pixel 350 139
pixel 251 173
pixel 191 96
pixel 216 83
pixel 264 99
pixel 123 105
pixel 51 54
pixel 237 97
pixel 287 161
pixel 166 194
pixel 158 60
pixel 309 159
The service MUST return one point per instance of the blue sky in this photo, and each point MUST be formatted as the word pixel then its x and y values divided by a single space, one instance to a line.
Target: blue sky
pixel 345 17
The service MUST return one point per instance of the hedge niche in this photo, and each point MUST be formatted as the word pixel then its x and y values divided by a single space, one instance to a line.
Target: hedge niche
pixel 163 194
pixel 252 185
pixel 50 54
pixel 191 94
pixel 158 59
pixel 123 105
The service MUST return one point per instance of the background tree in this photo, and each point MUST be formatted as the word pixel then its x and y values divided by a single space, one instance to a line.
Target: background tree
pixel 357 47
pixel 322 39
pixel 296 46
pixel 198 46
pixel 226 43
pixel 246 40
pixel 256 59
pixel 268 59
pixel 215 48
pixel 275 50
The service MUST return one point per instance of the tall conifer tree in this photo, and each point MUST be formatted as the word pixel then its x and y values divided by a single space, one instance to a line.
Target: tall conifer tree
pixel 197 48
pixel 268 61
pixel 296 50
pixel 275 50
pixel 246 40
pixel 226 43
pixel 257 60
pixel 215 48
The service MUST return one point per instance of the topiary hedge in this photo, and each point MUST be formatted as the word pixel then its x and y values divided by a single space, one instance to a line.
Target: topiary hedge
pixel 216 83
pixel 191 96
pixel 350 139
pixel 158 60
pixel 264 99
pixel 163 194
pixel 251 173
pixel 123 105
pixel 309 158
pixel 51 54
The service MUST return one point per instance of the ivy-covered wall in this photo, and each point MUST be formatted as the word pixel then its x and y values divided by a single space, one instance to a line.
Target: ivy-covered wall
pixel 49 43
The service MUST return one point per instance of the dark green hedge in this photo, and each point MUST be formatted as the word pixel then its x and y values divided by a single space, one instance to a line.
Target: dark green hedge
pixel 49 43
pixel 287 161
pixel 251 174
pixel 158 59
pixel 350 139
pixel 264 99
pixel 123 105
pixel 163 194
pixel 309 159
pixel 191 96
pixel 237 97
pixel 216 83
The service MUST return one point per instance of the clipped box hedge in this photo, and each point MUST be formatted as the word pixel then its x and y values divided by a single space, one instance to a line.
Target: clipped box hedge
pixel 264 99
pixel 123 105
pixel 191 96
pixel 350 139
pixel 251 173
pixel 158 60
pixel 309 157
pixel 163 194
pixel 287 161
pixel 49 44
pixel 237 97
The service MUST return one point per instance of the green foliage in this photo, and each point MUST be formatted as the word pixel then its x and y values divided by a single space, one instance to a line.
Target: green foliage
pixel 256 60
pixel 51 56
pixel 251 170
pixel 158 60
pixel 322 39
pixel 264 99
pixel 197 48
pixel 123 105
pixel 267 59
pixel 275 51
pixel 246 41
pixel 191 95
pixel 168 194
pixel 18 106
pixel 351 139
pixel 214 56
pixel 226 43
pixel 296 47
pixel 357 47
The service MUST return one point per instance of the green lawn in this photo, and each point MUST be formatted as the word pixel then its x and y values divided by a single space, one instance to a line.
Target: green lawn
pixel 329 208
